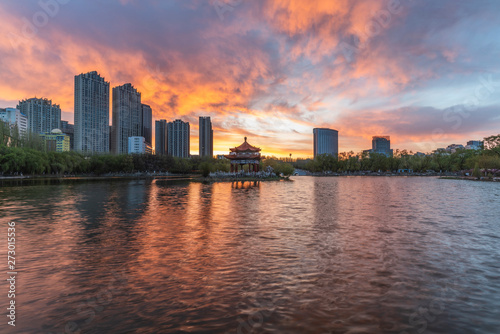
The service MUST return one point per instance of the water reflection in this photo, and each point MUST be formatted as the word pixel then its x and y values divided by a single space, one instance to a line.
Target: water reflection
pixel 245 184
pixel 315 255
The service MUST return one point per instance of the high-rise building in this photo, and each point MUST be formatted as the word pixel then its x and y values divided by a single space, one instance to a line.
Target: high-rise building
pixel 69 129
pixel 14 117
pixel 91 113
pixel 161 137
pixel 127 117
pixel 382 145
pixel 326 141
pixel 43 116
pixel 178 138
pixel 147 123
pixel 206 137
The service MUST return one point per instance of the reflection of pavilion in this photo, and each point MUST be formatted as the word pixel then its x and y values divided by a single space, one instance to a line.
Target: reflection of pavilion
pixel 245 154
pixel 245 184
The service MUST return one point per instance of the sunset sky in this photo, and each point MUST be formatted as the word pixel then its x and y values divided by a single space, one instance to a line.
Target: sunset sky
pixel 425 72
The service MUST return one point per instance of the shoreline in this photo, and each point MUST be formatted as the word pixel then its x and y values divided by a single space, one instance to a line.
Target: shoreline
pixel 471 178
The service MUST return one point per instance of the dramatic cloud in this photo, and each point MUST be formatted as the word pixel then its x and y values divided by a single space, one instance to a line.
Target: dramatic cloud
pixel 271 70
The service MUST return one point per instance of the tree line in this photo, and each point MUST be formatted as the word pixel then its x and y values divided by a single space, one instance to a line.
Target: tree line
pixel 487 158
pixel 27 155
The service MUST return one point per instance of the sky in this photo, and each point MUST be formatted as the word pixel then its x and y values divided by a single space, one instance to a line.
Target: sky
pixel 426 72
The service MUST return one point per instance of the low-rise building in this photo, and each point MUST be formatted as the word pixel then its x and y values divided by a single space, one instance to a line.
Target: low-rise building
pixel 69 129
pixel 474 145
pixel 56 141
pixel 138 145
pixel 14 117
pixel 454 147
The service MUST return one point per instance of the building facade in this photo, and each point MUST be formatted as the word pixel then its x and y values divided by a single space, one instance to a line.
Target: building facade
pixel 382 145
pixel 91 113
pixel 127 117
pixel 138 145
pixel 178 138
pixel 69 129
pixel 474 145
pixel 43 116
pixel 161 137
pixel 206 137
pixel 326 141
pixel 15 118
pixel 56 141
pixel 147 123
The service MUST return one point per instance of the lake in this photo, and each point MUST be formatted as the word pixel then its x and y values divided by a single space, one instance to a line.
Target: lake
pixel 312 255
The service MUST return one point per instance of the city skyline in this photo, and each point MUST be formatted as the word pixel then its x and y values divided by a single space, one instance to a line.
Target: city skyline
pixel 265 79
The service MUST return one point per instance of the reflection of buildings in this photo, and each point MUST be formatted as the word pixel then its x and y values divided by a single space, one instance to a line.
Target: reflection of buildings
pixel 56 141
pixel 245 154
pixel 381 145
pixel 178 138
pixel 206 138
pixel 326 141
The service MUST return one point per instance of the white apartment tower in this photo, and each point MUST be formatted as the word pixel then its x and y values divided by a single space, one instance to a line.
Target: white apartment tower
pixel 15 118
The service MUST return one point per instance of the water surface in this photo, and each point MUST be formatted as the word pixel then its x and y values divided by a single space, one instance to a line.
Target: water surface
pixel 316 255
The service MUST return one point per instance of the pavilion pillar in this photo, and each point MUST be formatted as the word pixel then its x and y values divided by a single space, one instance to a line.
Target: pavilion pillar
pixel 232 168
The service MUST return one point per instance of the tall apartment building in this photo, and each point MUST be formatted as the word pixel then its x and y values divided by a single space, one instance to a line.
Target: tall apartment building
pixel 206 137
pixel 178 138
pixel 127 117
pixel 326 141
pixel 147 123
pixel 91 113
pixel 161 137
pixel 15 118
pixel 43 116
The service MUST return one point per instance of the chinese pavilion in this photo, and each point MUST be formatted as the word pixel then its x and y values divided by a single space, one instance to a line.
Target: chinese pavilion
pixel 245 154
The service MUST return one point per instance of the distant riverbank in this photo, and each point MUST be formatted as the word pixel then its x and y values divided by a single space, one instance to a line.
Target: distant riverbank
pixel 471 178
pixel 432 174
pixel 62 178
pixel 136 176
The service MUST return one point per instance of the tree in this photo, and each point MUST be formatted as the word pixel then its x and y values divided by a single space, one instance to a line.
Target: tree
pixel 205 169
pixel 476 173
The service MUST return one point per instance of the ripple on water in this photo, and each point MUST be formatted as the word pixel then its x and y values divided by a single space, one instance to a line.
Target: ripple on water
pixel 316 255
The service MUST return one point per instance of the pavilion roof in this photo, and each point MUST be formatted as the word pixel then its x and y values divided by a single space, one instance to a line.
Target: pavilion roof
pixel 243 156
pixel 245 147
